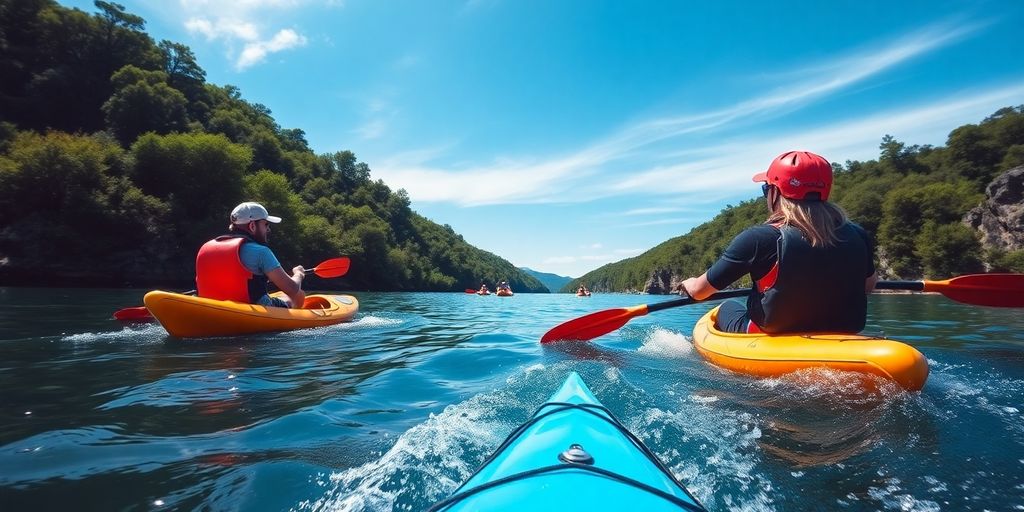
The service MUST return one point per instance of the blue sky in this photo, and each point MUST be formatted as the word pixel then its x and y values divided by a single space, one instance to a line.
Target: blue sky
pixel 564 135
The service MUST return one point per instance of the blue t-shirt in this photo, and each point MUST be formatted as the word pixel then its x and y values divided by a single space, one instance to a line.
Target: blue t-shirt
pixel 260 260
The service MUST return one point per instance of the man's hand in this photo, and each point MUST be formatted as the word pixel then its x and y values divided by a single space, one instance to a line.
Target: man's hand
pixel 299 273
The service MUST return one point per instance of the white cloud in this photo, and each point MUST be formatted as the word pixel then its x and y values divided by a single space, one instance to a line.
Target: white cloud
pixel 569 178
pixel 256 52
pixel 243 23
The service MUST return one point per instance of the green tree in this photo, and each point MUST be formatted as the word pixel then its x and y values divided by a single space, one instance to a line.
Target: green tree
pixel 947 250
pixel 143 102
pixel 199 174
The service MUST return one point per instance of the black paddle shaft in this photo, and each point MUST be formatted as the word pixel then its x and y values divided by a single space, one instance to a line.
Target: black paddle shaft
pixel 728 294
pixel 914 286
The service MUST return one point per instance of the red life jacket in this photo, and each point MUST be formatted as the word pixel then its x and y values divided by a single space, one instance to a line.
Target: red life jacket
pixel 220 274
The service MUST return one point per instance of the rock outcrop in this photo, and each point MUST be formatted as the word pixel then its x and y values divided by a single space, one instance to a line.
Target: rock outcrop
pixel 661 282
pixel 1000 218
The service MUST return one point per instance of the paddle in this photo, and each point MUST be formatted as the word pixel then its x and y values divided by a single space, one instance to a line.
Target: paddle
pixel 603 322
pixel 999 290
pixel 334 267
pixel 470 290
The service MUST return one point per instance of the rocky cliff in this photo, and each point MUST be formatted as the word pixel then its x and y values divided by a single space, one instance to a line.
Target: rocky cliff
pixel 1000 218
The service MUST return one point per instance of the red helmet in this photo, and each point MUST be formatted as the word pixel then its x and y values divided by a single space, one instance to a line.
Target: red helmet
pixel 798 174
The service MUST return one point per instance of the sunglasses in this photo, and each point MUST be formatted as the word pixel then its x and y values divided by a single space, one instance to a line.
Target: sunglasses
pixel 765 188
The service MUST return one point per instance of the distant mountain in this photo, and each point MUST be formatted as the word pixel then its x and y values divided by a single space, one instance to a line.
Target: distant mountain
pixel 554 282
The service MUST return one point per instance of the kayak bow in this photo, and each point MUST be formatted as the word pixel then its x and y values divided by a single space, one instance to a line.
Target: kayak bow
pixel 573 454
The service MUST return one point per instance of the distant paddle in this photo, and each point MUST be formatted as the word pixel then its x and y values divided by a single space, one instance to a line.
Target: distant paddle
pixel 334 267
pixel 470 290
pixel 998 290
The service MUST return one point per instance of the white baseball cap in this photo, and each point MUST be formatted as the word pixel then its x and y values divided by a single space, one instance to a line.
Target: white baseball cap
pixel 248 212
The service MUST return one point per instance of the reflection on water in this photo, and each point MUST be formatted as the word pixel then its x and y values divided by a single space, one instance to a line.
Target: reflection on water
pixel 394 410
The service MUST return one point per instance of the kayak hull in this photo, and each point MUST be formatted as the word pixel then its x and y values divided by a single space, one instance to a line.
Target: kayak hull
pixel 502 293
pixel 186 316
pixel 766 355
pixel 526 472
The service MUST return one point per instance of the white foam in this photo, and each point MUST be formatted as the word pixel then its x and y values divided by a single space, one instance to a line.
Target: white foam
pixel 846 387
pixel 721 454
pixel 666 344
pixel 149 332
pixel 434 453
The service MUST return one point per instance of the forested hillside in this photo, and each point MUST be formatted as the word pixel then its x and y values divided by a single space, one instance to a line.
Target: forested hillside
pixel 913 199
pixel 118 160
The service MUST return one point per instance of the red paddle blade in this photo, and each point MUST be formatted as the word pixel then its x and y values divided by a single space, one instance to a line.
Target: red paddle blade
pixel 998 290
pixel 334 267
pixel 470 290
pixel 136 314
pixel 593 325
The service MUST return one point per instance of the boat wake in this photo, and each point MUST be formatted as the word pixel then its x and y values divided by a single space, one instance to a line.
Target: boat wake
pixel 428 461
pixel 667 344
pixel 139 333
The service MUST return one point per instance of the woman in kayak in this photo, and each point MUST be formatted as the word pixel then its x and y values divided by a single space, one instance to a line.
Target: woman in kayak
pixel 238 266
pixel 811 267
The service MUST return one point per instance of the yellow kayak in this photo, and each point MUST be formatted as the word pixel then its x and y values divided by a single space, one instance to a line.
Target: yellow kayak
pixel 186 316
pixel 767 355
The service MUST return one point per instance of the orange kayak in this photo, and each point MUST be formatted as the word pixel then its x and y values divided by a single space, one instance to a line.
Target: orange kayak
pixel 504 293
pixel 767 355
pixel 186 316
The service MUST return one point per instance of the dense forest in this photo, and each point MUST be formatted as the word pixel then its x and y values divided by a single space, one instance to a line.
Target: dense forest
pixel 118 160
pixel 913 199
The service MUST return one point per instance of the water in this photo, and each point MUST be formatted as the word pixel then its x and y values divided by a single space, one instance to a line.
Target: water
pixel 394 410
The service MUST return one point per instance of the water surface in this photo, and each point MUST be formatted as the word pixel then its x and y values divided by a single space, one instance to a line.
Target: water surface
pixel 394 410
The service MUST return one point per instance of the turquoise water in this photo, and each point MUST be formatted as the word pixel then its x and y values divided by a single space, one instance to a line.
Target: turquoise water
pixel 394 410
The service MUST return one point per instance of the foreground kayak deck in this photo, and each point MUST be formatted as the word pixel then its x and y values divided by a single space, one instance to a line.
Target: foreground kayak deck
pixel 186 316
pixel 534 469
pixel 767 355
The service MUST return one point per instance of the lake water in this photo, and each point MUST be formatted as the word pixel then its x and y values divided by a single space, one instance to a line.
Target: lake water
pixel 394 410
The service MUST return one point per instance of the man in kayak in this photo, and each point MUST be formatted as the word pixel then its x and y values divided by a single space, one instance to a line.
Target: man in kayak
pixel 238 266
pixel 811 267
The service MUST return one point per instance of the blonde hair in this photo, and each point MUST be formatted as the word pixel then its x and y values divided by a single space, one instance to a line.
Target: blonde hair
pixel 817 220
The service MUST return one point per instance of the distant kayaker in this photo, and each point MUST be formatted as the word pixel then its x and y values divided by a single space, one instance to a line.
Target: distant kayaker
pixel 238 266
pixel 483 289
pixel 811 267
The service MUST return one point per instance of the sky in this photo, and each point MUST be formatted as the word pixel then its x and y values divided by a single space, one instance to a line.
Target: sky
pixel 563 135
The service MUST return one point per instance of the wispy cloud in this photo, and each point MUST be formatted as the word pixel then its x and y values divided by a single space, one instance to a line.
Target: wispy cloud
pixel 592 259
pixel 651 211
pixel 730 165
pixel 569 178
pixel 245 23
